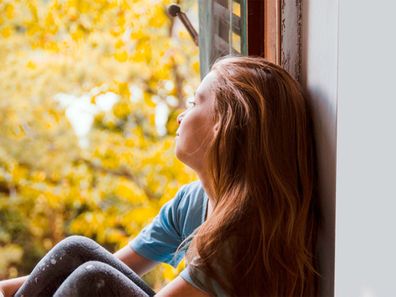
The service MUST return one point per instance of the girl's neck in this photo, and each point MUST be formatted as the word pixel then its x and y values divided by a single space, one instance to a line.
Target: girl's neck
pixel 208 190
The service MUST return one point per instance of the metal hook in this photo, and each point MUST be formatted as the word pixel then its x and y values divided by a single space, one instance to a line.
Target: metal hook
pixel 174 10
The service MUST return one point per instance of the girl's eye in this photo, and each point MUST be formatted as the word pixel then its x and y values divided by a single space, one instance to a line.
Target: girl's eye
pixel 190 103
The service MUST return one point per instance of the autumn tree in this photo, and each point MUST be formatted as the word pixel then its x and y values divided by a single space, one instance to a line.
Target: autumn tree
pixel 90 94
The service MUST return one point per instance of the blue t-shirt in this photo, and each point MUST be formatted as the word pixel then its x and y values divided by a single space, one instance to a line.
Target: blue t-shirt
pixel 177 219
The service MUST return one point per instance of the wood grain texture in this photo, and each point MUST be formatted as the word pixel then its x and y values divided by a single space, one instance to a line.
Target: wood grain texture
pixel 290 37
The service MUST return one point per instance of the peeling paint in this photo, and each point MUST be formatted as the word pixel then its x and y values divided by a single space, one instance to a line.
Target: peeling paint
pixel 290 30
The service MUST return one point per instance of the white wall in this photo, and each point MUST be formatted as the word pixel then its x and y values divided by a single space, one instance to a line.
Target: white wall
pixel 319 78
pixel 366 150
pixel 348 69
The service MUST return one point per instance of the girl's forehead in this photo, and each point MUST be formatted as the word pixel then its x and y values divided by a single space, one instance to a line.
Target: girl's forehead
pixel 206 85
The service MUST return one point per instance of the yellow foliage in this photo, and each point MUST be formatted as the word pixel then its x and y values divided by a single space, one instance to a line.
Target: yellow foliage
pixel 11 253
pixel 31 65
pixel 9 10
pixel 111 180
pixel 6 31
pixel 121 109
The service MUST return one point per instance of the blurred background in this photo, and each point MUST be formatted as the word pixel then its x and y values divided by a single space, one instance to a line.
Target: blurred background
pixel 90 91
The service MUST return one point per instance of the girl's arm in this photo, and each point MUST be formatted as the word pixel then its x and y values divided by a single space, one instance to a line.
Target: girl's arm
pixel 180 288
pixel 139 264
pixel 10 286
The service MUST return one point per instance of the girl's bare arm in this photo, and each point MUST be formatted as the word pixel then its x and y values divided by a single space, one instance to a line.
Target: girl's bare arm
pixel 136 262
pixel 10 286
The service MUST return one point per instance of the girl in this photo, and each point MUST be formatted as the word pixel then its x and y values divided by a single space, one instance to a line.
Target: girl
pixel 247 228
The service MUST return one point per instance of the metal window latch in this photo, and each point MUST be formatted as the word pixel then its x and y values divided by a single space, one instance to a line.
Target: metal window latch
pixel 174 10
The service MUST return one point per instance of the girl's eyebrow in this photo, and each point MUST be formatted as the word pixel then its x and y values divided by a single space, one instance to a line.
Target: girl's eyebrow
pixel 197 95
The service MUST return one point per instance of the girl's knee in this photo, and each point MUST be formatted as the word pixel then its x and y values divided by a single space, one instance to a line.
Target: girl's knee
pixel 95 266
pixel 93 271
pixel 88 279
pixel 76 243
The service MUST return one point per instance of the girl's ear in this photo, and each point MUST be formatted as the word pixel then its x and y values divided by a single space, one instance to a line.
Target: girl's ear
pixel 216 127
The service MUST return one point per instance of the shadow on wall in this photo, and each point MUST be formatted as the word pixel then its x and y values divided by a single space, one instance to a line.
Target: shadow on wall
pixel 319 80
pixel 326 163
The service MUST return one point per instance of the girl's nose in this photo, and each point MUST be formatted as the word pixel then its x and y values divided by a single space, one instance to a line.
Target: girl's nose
pixel 180 117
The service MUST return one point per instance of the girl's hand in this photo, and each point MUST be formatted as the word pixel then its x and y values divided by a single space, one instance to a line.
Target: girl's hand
pixel 8 287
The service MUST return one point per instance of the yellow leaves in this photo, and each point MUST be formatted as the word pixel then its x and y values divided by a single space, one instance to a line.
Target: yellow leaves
pixel 121 56
pixel 162 73
pixel 172 124
pixel 9 10
pixel 138 34
pixel 123 89
pixel 31 65
pixel 119 44
pixel 110 159
pixel 113 188
pixel 147 100
pixel 50 23
pixel 141 215
pixel 17 132
pixel 170 273
pixel 38 176
pixel 124 190
pixel 53 200
pixel 114 235
pixel 77 33
pixel 18 172
pixel 195 66
pixel 33 30
pixel 130 191
pixel 47 243
pixel 120 19
pixel 6 31
pixel 32 5
pixel 88 223
pixel 158 17
pixel 73 14
pixel 116 31
pixel 84 6
pixel 101 225
pixel 122 109
pixel 142 53
pixel 11 253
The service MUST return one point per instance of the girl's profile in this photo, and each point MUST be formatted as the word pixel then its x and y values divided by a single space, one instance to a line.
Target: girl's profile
pixel 247 227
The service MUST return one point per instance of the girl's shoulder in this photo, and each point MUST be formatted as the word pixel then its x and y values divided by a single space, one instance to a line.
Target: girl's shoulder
pixel 191 195
pixel 191 205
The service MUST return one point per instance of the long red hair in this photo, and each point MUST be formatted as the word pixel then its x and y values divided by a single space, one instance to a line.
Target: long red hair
pixel 260 238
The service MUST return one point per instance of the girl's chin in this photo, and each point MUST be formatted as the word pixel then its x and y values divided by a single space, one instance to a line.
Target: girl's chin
pixel 182 156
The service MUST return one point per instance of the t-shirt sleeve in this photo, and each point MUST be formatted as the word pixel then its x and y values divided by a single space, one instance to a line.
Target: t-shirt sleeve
pixel 159 240
pixel 186 275
pixel 205 283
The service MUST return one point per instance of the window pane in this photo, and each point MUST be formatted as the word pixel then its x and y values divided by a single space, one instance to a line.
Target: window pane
pixel 222 30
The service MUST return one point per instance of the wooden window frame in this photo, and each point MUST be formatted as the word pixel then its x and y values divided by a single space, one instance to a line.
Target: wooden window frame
pixel 274 32
pixel 263 22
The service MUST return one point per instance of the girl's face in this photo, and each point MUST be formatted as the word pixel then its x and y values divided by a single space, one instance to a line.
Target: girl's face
pixel 197 126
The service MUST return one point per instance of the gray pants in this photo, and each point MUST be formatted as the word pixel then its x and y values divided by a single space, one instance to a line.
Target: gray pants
pixel 78 266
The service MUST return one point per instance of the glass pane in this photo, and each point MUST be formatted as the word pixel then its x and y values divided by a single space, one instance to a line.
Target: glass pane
pixel 222 30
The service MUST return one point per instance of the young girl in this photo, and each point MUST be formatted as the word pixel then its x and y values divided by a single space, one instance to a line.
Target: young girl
pixel 247 227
